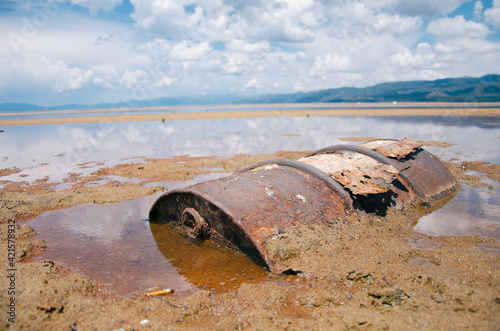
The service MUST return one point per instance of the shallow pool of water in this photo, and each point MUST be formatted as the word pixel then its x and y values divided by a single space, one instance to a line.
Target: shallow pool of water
pixel 119 248
pixel 473 211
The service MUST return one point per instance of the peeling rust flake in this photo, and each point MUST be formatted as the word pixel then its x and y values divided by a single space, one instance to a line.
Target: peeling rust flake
pixel 359 173
pixel 369 180
pixel 398 149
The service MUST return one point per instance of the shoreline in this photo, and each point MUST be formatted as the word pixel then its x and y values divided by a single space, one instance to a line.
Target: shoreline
pixel 432 111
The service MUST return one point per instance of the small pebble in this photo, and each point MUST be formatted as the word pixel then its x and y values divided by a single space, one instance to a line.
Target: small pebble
pixel 144 322
pixel 437 297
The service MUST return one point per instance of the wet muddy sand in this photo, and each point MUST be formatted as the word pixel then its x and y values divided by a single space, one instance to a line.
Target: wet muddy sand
pixel 409 109
pixel 372 273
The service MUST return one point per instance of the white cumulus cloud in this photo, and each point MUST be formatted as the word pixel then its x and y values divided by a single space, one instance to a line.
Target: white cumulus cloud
pixel 329 63
pixel 396 24
pixel 189 51
pixel 56 74
pixel 134 78
pixel 165 81
pixel 492 15
pixel 423 57
pixel 253 84
pixel 478 9
pixel 97 5
pixel 457 27
pixel 241 46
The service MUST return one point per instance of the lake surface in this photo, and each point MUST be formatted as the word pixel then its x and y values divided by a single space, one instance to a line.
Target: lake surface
pixel 54 151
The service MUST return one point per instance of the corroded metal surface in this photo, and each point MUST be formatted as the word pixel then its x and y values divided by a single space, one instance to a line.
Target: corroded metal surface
pixel 358 149
pixel 243 210
pixel 358 173
pixel 419 171
pixel 428 177
pixel 423 173
pixel 366 181
pixel 394 148
pixel 333 184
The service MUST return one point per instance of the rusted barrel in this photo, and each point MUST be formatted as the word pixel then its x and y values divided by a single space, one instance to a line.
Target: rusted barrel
pixel 332 184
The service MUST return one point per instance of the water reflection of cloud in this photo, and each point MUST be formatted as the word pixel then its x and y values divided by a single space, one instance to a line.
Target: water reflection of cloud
pixel 103 223
pixel 55 171
pixel 136 133
pixel 25 147
pixel 471 212
pixel 167 130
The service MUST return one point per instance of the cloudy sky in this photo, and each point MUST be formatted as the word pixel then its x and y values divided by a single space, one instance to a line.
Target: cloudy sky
pixel 91 51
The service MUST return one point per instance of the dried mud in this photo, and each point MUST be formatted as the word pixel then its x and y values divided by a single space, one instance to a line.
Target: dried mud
pixel 372 273
pixel 441 144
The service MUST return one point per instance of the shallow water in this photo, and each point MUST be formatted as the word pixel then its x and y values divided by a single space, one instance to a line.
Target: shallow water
pixel 116 246
pixel 473 211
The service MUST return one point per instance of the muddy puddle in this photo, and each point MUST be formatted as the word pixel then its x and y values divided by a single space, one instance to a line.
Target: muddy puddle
pixel 118 247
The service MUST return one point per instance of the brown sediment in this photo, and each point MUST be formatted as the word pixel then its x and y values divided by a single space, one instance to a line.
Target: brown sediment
pixel 424 111
pixel 460 171
pixel 6 172
pixel 372 273
pixel 441 144
pixel 492 171
pixel 185 167
pixel 22 206
pixel 362 139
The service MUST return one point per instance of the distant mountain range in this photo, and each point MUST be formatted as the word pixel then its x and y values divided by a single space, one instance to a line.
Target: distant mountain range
pixel 465 89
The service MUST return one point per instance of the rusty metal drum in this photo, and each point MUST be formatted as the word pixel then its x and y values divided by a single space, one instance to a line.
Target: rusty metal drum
pixel 337 183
